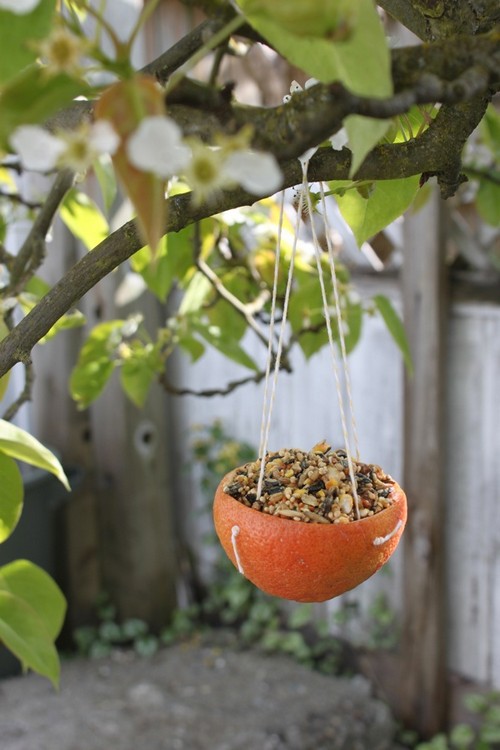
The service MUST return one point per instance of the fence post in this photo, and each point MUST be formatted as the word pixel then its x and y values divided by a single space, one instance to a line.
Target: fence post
pixel 423 678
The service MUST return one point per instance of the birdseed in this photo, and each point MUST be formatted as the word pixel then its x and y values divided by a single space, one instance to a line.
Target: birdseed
pixel 313 487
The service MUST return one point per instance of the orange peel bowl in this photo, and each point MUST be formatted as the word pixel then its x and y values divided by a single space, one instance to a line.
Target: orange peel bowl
pixel 306 562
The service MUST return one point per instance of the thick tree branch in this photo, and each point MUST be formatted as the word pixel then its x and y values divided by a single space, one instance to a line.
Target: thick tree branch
pixel 407 14
pixel 427 154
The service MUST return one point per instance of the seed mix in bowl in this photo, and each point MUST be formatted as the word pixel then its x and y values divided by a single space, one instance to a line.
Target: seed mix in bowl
pixel 312 487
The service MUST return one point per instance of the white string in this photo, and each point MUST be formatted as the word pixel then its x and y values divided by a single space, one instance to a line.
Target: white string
pixel 281 338
pixel 383 539
pixel 345 433
pixel 271 326
pixel 346 369
pixel 234 534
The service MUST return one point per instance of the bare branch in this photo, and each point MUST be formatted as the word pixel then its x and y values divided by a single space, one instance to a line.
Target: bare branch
pixel 17 198
pixel 224 293
pixel 210 392
pixel 25 395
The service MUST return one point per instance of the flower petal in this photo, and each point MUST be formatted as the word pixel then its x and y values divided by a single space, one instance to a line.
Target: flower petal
pixel 19 7
pixel 306 156
pixel 103 137
pixel 156 146
pixel 339 140
pixel 37 149
pixel 255 171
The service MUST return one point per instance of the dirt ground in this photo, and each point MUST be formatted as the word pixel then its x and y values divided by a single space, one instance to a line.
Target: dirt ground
pixel 196 696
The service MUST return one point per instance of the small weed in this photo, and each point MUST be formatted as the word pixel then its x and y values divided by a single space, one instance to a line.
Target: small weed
pixel 486 736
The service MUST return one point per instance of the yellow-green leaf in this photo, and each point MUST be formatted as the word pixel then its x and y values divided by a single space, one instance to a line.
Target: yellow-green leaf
pixel 364 133
pixel 19 31
pixel 395 327
pixel 34 586
pixel 360 60
pixel 19 444
pixel 84 219
pixel 385 201
pixel 11 496
pixel 23 632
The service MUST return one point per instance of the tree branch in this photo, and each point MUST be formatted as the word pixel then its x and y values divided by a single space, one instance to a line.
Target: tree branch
pixel 31 254
pixel 224 293
pixel 210 392
pixel 429 153
pixel 407 14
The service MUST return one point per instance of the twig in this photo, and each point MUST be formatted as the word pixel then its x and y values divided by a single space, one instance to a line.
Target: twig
pixel 172 59
pixel 239 306
pixel 31 254
pixel 25 395
pixel 209 392
pixel 17 198
pixel 484 174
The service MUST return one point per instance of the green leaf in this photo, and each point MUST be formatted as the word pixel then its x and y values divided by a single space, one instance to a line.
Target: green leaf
pixel 461 736
pixel 11 496
pixel 219 339
pixel 70 320
pixel 192 346
pixel 138 372
pixel 96 362
pixel 36 588
pixel 103 170
pixel 476 702
pixel 4 381
pixel 172 260
pixel 386 201
pixel 84 219
pixel 35 289
pixel 364 133
pixel 17 44
pixel 490 734
pixel 353 320
pixel 361 60
pixel 488 202
pixel 301 615
pixel 196 293
pixel 395 328
pixel 19 106
pixel 17 443
pixel 490 126
pixel 23 632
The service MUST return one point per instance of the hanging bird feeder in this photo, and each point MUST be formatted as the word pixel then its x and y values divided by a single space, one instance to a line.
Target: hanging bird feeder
pixel 309 526
pixel 307 543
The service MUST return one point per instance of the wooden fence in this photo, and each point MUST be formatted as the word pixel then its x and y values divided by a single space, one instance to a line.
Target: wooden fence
pixel 306 411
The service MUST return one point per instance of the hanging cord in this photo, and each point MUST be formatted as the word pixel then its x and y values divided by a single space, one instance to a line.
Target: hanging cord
pixel 331 258
pixel 272 325
pixel 267 419
pixel 317 251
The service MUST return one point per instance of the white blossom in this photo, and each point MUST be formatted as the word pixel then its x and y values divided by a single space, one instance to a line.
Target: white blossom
pixel 37 148
pixel 19 7
pixel 256 172
pixel 103 138
pixel 205 171
pixel 42 151
pixel 156 146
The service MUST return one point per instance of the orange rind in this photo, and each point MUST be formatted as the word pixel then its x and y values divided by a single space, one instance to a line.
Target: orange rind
pixel 306 562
